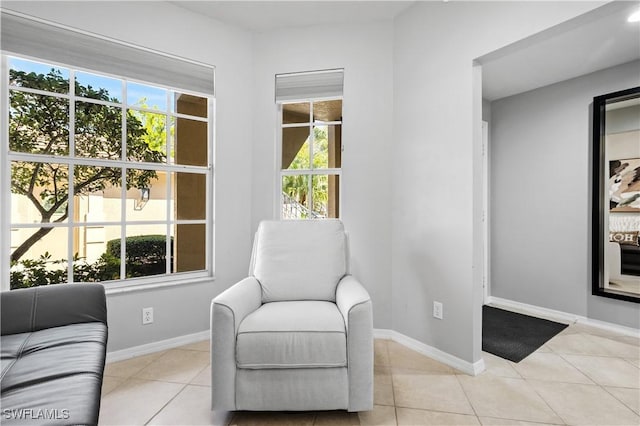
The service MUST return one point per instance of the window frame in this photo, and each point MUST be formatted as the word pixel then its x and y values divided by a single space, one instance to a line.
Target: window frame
pixel 311 171
pixel 7 157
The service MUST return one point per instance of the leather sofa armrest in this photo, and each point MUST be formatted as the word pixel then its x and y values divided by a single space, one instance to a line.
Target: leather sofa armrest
pixel 37 308
pixel 228 310
pixel 355 305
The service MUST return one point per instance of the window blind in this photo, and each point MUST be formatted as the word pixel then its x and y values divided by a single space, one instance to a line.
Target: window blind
pixel 48 41
pixel 309 85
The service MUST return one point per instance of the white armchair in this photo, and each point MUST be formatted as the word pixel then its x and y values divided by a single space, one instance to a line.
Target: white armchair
pixel 297 334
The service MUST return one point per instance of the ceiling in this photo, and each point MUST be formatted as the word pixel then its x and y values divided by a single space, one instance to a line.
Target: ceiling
pixel 591 42
pixel 260 16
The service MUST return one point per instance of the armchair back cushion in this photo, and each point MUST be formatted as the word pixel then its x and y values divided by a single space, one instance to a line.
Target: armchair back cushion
pixel 299 259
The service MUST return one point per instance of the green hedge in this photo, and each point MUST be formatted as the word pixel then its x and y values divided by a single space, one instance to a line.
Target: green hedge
pixel 144 254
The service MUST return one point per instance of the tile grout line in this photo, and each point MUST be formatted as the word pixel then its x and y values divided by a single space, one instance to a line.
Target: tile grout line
pixel 601 386
pixel 464 392
pixel 527 421
pixel 165 405
pixel 619 400
pixel 393 390
pixel 560 355
pixel 545 401
pixel 584 373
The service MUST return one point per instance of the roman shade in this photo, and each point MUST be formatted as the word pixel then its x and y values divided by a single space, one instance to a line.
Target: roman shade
pixel 309 85
pixel 47 41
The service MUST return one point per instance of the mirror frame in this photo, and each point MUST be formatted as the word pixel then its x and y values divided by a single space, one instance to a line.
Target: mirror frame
pixel 598 186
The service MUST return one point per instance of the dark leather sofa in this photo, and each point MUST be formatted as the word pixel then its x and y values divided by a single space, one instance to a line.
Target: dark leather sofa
pixel 53 352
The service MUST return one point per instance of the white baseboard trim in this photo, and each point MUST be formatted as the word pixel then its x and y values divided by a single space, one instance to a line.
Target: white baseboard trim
pixel 161 345
pixel 552 314
pixel 560 316
pixel 603 325
pixel 473 369
pixel 379 333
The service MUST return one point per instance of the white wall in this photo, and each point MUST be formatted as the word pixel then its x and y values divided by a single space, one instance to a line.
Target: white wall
pixel 365 53
pixel 436 252
pixel 162 26
pixel 541 186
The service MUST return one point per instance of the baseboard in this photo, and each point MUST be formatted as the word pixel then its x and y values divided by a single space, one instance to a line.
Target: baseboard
pixel 552 314
pixel 161 345
pixel 603 325
pixel 473 369
pixel 560 316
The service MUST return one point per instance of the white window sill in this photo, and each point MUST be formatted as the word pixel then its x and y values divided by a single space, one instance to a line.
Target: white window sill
pixel 119 288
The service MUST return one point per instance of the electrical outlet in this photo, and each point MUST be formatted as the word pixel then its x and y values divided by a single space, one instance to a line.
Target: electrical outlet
pixel 147 315
pixel 437 310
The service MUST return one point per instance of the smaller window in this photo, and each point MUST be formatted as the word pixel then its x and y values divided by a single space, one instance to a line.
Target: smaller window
pixel 311 159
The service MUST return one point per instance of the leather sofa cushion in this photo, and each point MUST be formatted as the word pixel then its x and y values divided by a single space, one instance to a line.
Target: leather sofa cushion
pixel 294 334
pixel 58 369
pixel 299 259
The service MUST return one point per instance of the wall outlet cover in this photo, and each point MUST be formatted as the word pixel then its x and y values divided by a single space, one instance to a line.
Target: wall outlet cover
pixel 147 316
pixel 437 310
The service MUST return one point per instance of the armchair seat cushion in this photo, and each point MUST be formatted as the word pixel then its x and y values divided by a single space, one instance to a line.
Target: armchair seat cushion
pixel 293 334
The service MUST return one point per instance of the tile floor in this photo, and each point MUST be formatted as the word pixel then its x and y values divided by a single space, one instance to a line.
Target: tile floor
pixel 583 376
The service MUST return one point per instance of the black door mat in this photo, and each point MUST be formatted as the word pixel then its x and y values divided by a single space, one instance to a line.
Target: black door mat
pixel 514 336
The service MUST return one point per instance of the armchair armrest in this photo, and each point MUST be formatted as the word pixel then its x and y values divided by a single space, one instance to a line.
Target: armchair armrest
pixel 228 310
pixel 355 305
pixel 37 308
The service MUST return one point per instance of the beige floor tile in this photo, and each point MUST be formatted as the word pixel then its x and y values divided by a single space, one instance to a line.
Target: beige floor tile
pixel 506 398
pixel 550 366
pixel 586 329
pixel 268 418
pixel 415 389
pixel 617 348
pixel 579 404
pixel 607 371
pixel 198 346
pixel 412 417
pixel 544 349
pixel 110 383
pixel 629 397
pixel 136 401
pixel 381 415
pixel 492 421
pixel 578 328
pixel 497 366
pixel 405 358
pixel 380 352
pixel 203 378
pixel 634 362
pixel 577 344
pixel 382 386
pixel 176 365
pixel 336 418
pixel 631 340
pixel 129 367
pixel 545 388
pixel 190 407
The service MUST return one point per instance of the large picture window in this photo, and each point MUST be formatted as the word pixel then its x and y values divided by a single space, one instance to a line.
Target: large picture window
pixel 110 179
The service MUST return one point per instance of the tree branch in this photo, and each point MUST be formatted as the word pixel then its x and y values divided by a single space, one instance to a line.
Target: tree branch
pixel 22 249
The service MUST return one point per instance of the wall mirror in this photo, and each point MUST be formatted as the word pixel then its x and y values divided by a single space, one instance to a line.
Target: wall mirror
pixel 616 195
